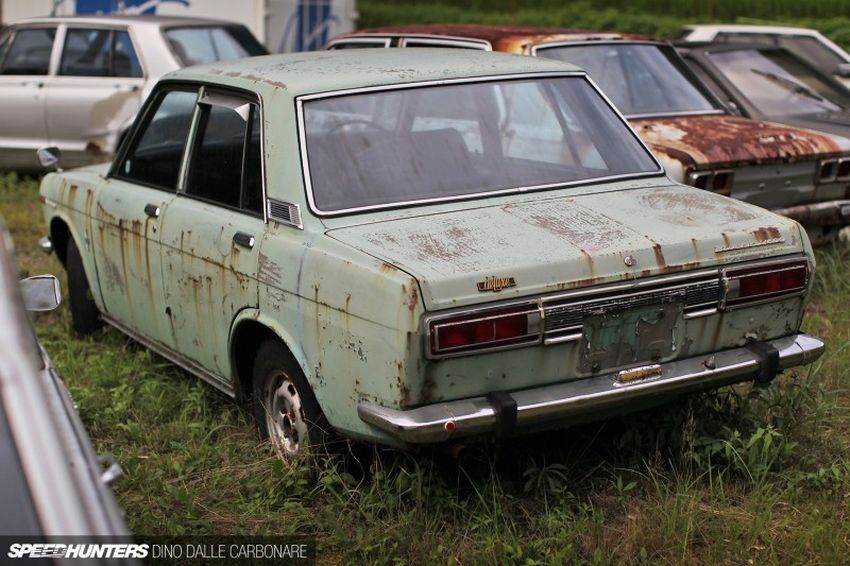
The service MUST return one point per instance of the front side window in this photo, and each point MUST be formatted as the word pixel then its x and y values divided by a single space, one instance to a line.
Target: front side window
pixel 99 53
pixel 640 79
pixel 225 164
pixel 198 45
pixel 29 53
pixel 775 82
pixel 378 149
pixel 157 149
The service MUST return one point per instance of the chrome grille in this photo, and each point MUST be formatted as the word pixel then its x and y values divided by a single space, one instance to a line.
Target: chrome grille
pixel 564 318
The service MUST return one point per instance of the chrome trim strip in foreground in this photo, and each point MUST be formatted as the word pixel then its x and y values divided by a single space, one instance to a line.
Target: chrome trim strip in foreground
pixel 561 403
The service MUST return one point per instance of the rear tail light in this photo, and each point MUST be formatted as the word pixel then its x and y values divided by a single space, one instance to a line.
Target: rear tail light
pixel 827 170
pixel 843 172
pixel 719 181
pixel 485 330
pixel 764 283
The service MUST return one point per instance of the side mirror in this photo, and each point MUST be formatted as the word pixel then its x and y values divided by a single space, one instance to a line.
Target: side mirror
pixel 49 157
pixel 41 293
pixel 843 70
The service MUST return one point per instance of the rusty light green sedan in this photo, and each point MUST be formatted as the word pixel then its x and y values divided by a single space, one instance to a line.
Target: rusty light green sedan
pixel 409 247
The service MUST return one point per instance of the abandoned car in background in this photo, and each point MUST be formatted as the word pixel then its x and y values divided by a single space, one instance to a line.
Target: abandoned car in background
pixel 793 171
pixel 808 44
pixel 78 82
pixel 410 247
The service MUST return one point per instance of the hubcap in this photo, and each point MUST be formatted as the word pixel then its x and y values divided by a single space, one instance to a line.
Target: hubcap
pixel 285 415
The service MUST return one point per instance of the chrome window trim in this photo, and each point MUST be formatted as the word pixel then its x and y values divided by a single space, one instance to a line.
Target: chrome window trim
pixel 305 164
pixel 221 95
pixel 446 40
pixel 362 38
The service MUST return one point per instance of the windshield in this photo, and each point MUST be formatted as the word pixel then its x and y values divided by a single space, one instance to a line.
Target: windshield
pixel 775 82
pixel 199 45
pixel 640 79
pixel 377 149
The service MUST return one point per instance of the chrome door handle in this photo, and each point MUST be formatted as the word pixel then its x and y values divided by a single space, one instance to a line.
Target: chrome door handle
pixel 152 210
pixel 243 239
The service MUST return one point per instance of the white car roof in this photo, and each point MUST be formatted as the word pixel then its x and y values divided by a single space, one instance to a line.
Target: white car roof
pixel 708 32
pixel 155 21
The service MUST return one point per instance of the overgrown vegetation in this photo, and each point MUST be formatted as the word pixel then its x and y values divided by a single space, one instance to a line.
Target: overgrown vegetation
pixel 662 18
pixel 759 474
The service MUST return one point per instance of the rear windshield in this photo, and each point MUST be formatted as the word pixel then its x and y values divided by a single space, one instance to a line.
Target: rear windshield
pixel 386 148
pixel 640 79
pixel 208 44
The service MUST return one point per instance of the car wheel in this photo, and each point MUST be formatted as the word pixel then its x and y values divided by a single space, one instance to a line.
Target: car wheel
pixel 85 318
pixel 286 410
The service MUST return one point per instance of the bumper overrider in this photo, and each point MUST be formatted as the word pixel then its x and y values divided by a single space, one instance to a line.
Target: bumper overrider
pixel 500 413
pixel 831 213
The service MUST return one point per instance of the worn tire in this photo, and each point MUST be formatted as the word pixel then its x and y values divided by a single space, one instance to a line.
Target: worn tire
pixel 85 318
pixel 285 408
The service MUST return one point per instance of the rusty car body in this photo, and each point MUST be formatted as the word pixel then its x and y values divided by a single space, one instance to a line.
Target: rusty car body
pixel 408 248
pixel 786 168
pixel 77 82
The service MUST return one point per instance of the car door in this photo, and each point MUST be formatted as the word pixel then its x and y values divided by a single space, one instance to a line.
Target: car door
pixel 212 230
pixel 96 88
pixel 128 215
pixel 25 55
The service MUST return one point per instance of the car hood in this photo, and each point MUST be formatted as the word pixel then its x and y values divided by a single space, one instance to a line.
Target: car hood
pixel 712 141
pixel 555 243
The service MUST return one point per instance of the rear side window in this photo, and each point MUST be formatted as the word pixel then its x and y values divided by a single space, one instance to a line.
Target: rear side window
pixel 29 53
pixel 225 164
pixel 157 149
pixel 99 53
pixel 198 45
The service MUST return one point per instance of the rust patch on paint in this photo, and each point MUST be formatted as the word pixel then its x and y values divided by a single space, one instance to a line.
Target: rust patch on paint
pixel 769 233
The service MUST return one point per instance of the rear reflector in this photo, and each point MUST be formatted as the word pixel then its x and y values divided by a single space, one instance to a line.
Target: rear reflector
pixel 764 283
pixel 484 330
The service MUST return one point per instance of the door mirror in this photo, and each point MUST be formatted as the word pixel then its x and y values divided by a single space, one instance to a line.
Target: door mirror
pixel 843 70
pixel 49 157
pixel 41 293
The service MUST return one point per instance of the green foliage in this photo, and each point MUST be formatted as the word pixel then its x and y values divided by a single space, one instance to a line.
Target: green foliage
pixel 661 18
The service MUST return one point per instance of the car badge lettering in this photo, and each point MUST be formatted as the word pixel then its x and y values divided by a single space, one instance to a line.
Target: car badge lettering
pixel 495 284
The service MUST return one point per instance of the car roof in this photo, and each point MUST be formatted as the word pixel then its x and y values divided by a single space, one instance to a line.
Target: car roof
pixel 324 71
pixel 707 32
pixel 156 21
pixel 500 38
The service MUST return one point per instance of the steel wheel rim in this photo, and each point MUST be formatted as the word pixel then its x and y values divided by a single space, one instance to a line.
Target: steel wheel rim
pixel 285 420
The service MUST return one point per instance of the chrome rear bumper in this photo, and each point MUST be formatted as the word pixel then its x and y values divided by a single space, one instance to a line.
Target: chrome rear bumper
pixel 555 405
pixel 832 213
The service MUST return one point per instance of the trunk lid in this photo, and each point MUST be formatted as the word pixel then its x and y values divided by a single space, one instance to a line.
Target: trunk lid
pixel 726 141
pixel 562 242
